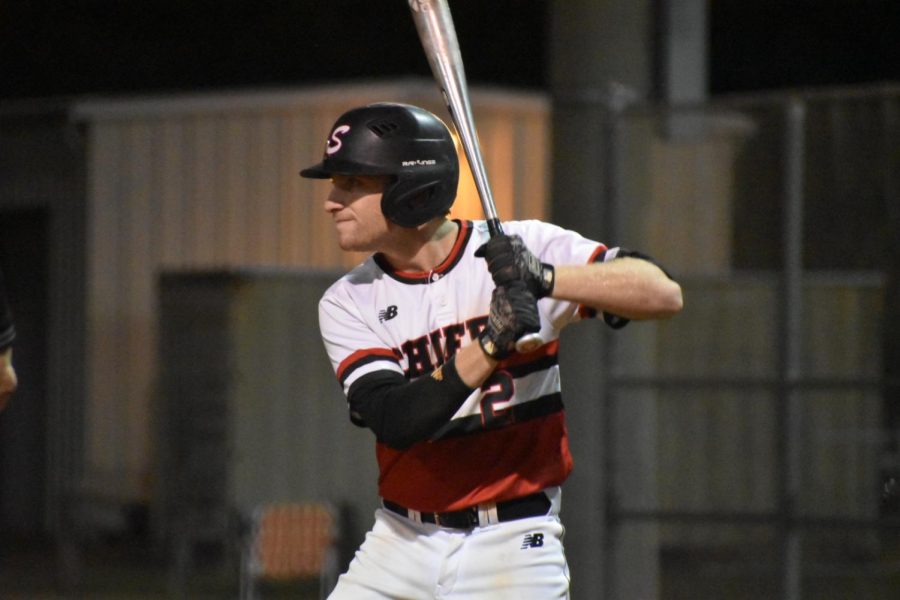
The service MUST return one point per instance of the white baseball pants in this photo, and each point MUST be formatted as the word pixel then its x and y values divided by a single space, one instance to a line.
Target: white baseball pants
pixel 402 559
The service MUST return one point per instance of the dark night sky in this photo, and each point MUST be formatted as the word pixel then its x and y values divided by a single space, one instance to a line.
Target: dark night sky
pixel 65 47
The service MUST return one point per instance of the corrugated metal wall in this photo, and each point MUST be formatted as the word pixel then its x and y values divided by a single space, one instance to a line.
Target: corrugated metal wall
pixel 211 182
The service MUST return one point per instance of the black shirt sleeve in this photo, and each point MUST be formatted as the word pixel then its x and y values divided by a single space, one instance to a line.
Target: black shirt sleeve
pixel 402 412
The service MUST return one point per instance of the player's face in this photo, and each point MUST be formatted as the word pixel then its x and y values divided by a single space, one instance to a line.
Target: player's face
pixel 355 206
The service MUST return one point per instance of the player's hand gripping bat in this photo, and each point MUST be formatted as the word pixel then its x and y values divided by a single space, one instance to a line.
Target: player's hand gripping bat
pixel 438 36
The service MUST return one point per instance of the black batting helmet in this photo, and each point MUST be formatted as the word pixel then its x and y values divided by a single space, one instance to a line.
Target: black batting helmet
pixel 408 143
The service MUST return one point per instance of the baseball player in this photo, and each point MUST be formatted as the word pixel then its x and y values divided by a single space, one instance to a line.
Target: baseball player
pixel 470 436
pixel 8 380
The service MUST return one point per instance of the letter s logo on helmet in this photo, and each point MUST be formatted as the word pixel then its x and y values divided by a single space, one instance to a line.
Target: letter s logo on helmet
pixel 334 142
pixel 407 143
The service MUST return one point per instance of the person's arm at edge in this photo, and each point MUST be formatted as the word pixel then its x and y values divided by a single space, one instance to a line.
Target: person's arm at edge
pixel 631 288
pixel 8 381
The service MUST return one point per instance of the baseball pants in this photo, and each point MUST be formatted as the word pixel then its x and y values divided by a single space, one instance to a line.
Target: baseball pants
pixel 402 559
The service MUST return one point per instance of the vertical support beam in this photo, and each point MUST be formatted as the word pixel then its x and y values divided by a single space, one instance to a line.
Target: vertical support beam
pixel 594 47
pixel 792 303
pixel 596 50
pixel 605 55
pixel 632 559
pixel 682 53
pixel 891 339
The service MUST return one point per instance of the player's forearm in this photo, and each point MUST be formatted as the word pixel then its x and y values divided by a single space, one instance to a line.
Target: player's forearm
pixel 473 365
pixel 628 287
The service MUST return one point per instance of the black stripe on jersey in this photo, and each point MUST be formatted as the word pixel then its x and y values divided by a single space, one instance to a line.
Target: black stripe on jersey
pixel 541 364
pixel 534 409
pixel 424 277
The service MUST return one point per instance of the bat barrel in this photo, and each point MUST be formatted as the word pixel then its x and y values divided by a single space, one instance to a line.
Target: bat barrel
pixel 438 35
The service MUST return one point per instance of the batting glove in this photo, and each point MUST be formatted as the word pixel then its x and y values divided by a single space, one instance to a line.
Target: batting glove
pixel 508 259
pixel 513 314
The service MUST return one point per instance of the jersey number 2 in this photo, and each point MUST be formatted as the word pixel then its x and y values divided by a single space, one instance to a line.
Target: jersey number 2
pixel 498 389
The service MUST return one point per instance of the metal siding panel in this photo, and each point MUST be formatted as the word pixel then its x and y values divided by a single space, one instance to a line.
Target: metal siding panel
pixel 531 167
pixel 467 204
pixel 104 397
pixel 138 301
pixel 213 209
pixel 253 172
pixel 236 207
pixel 200 208
pixel 294 210
pixel 309 192
pixel 499 150
pixel 265 191
pixel 171 195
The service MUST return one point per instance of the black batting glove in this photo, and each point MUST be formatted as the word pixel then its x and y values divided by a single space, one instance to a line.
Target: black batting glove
pixel 508 259
pixel 513 314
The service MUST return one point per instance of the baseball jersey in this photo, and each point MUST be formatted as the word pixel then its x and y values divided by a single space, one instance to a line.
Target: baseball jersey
pixel 508 438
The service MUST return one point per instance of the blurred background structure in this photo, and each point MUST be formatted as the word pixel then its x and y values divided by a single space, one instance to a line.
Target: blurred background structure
pixel 165 261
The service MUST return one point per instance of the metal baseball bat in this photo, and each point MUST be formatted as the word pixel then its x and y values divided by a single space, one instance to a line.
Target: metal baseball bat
pixel 437 33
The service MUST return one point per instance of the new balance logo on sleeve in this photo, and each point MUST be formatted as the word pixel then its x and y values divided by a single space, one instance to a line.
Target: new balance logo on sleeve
pixel 533 540
pixel 387 314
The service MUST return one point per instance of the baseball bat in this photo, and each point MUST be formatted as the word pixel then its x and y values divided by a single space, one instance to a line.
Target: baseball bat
pixel 437 33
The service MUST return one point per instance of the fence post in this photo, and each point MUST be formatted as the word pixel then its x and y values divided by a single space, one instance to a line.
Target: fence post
pixel 790 408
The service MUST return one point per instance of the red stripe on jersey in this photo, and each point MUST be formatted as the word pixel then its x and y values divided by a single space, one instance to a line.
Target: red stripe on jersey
pixel 462 238
pixel 601 249
pixel 489 466
pixel 364 355
pixel 515 360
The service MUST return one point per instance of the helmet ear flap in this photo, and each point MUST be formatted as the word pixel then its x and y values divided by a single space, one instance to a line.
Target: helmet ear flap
pixel 410 203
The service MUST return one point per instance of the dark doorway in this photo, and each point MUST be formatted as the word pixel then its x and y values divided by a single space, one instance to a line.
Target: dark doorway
pixel 23 425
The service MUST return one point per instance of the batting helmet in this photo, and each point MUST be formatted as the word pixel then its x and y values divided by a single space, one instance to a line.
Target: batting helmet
pixel 408 143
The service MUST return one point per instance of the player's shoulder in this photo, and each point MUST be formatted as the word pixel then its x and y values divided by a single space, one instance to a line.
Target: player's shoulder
pixel 528 227
pixel 523 227
pixel 537 233
pixel 554 243
pixel 362 275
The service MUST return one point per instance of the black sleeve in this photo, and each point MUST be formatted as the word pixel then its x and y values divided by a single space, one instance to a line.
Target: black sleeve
pixel 7 330
pixel 403 412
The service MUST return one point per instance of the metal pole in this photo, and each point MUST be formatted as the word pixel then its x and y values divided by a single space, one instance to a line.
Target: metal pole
pixel 891 337
pixel 611 114
pixel 792 302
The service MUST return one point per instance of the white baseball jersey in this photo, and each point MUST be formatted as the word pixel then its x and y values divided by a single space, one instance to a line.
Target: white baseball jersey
pixel 508 439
